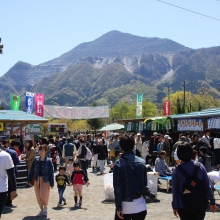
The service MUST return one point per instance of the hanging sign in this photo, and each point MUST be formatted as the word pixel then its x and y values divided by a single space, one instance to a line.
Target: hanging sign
pixel 166 108
pixel 39 105
pixel 139 106
pixel 190 125
pixel 214 123
pixel 29 102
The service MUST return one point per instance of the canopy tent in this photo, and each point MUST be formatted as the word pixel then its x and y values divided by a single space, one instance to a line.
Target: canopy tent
pixel 112 127
pixel 19 117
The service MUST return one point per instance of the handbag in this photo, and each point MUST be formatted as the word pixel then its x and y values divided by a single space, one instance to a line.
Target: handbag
pixel 144 191
pixel 33 177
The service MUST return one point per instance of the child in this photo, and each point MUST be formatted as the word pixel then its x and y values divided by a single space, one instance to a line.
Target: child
pixel 61 180
pixel 69 168
pixel 205 159
pixel 77 179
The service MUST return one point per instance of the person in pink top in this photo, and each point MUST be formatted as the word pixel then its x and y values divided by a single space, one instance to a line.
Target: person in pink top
pixel 78 179
pixel 69 168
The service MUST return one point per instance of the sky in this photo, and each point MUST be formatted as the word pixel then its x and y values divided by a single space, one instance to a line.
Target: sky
pixel 38 31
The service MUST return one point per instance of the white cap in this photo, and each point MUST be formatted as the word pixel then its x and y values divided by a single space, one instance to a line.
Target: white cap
pixel 167 136
pixel 155 133
pixel 138 134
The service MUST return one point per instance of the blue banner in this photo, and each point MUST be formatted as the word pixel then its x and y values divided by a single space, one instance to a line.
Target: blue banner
pixel 29 102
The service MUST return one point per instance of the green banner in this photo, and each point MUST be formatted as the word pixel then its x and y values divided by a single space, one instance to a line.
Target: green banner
pixel 139 106
pixel 150 126
pixel 14 102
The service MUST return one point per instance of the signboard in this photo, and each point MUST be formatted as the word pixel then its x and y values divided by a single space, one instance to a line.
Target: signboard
pixel 149 126
pixel 166 108
pixel 139 106
pixel 190 125
pixel 29 102
pixel 214 123
pixel 14 102
pixel 39 105
pixel 33 128
pixel 59 128
pixel 51 111
pixel 8 129
pixel 2 126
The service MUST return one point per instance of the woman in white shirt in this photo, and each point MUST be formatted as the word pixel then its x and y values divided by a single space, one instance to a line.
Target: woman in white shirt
pixel 6 172
pixel 217 151
pixel 145 149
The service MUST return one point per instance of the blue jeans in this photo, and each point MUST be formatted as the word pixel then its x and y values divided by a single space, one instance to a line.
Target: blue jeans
pixel 101 164
pixel 83 164
pixel 60 192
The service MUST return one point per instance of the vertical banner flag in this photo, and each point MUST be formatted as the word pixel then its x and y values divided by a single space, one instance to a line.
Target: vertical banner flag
pixel 39 105
pixel 139 105
pixel 14 102
pixel 29 102
pixel 166 108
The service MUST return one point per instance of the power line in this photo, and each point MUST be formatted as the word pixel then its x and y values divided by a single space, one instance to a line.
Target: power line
pixel 190 10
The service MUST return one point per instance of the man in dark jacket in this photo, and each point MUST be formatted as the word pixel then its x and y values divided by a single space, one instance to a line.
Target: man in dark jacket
pixel 128 183
pixel 69 151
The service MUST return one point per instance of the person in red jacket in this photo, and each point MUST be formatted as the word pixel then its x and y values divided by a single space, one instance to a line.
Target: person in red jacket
pixel 78 179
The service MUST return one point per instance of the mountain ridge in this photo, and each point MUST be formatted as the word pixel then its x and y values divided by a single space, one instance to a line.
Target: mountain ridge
pixel 114 67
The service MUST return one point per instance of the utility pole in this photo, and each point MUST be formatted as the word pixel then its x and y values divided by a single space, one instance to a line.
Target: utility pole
pixel 184 96
pixel 169 93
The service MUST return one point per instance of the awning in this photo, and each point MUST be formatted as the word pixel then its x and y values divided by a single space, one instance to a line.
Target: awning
pixel 112 127
pixel 200 114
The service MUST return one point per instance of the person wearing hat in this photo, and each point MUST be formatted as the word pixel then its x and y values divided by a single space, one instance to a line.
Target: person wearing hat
pixel 166 148
pixel 138 143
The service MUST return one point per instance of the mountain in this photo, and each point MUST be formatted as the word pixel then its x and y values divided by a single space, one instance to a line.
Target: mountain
pixel 115 67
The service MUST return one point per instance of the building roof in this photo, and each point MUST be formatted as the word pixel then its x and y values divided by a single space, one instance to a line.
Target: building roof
pixel 201 114
pixel 20 116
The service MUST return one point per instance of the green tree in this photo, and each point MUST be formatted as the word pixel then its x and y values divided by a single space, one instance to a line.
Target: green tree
pixel 194 102
pixel 123 110
pixel 95 123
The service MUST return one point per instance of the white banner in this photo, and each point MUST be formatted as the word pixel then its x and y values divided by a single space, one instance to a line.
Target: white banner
pixel 51 111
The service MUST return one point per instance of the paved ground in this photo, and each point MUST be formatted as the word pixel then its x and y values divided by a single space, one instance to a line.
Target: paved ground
pixel 93 207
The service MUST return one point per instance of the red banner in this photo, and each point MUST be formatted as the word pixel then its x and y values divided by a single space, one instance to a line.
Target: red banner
pixel 39 105
pixel 166 108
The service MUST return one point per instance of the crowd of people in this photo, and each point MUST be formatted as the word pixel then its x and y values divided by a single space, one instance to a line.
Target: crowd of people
pixel 130 157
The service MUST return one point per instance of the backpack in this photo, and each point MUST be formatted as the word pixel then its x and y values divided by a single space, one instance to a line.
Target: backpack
pixel 194 191
pixel 88 154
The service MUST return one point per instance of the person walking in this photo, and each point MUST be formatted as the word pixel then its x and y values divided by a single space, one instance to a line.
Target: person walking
pixel 217 151
pixel 166 148
pixel 81 155
pixel 42 170
pixel 78 179
pixel 191 188
pixel 139 143
pixel 130 204
pixel 30 154
pixel 61 180
pixel 69 151
pixel 12 151
pixel 6 173
pixel 102 154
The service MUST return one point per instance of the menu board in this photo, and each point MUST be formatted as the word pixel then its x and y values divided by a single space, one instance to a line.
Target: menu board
pixel 190 124
pixel 214 123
